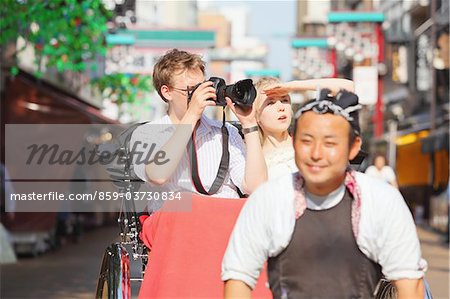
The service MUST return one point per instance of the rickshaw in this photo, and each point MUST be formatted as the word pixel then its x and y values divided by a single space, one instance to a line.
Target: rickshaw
pixel 115 280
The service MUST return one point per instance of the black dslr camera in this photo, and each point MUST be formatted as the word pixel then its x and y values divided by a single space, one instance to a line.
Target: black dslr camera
pixel 242 93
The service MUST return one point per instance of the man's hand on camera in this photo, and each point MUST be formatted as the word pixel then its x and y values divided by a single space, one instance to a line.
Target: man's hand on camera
pixel 199 99
pixel 246 116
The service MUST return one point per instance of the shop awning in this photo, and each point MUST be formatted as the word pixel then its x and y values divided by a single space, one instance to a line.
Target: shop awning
pixel 436 141
pixel 35 101
pixel 399 94
pixel 164 38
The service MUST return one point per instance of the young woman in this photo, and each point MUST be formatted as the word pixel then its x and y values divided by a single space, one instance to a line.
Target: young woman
pixel 274 115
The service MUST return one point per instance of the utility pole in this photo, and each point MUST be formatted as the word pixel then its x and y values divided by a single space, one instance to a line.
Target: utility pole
pixel 379 114
pixel 433 71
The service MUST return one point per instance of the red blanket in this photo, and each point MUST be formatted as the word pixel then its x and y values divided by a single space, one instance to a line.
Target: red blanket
pixel 187 250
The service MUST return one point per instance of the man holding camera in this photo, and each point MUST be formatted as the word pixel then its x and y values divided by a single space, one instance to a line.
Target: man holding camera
pixel 187 247
pixel 174 77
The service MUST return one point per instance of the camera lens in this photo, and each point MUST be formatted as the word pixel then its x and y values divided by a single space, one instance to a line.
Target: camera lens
pixel 240 93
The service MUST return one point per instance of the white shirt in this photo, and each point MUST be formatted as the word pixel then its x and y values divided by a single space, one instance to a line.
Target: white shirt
pixel 209 152
pixel 280 161
pixel 386 173
pixel 387 234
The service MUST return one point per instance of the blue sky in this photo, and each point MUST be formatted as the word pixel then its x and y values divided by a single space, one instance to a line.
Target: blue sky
pixel 274 22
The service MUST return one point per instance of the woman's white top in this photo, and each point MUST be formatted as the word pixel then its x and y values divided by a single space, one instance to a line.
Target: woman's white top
pixel 280 161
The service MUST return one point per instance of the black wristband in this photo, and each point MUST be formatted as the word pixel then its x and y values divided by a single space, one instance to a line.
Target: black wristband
pixel 249 130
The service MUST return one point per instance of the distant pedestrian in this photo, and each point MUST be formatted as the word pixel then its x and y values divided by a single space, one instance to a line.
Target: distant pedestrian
pixel 380 170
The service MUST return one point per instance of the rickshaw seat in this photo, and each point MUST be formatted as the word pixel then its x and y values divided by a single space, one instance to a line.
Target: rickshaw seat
pixel 187 250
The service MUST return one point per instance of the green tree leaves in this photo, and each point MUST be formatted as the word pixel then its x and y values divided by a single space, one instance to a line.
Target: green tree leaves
pixel 123 88
pixel 67 32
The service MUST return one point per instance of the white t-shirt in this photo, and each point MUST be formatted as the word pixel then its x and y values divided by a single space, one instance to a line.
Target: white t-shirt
pixel 387 234
pixel 386 173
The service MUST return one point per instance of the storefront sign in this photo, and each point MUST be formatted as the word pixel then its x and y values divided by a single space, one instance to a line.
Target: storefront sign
pixel 366 84
pixel 423 63
pixel 400 65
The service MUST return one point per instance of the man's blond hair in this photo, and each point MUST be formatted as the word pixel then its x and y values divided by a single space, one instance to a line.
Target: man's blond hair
pixel 172 63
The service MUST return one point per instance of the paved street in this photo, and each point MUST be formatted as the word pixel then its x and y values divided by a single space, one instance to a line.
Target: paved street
pixel 437 255
pixel 72 271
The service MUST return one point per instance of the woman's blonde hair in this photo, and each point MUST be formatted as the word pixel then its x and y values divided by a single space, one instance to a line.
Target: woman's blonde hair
pixel 262 84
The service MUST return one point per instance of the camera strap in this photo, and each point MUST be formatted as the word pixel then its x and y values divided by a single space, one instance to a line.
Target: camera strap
pixel 223 166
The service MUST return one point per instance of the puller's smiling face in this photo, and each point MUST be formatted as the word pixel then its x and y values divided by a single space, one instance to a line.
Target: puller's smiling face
pixel 322 150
